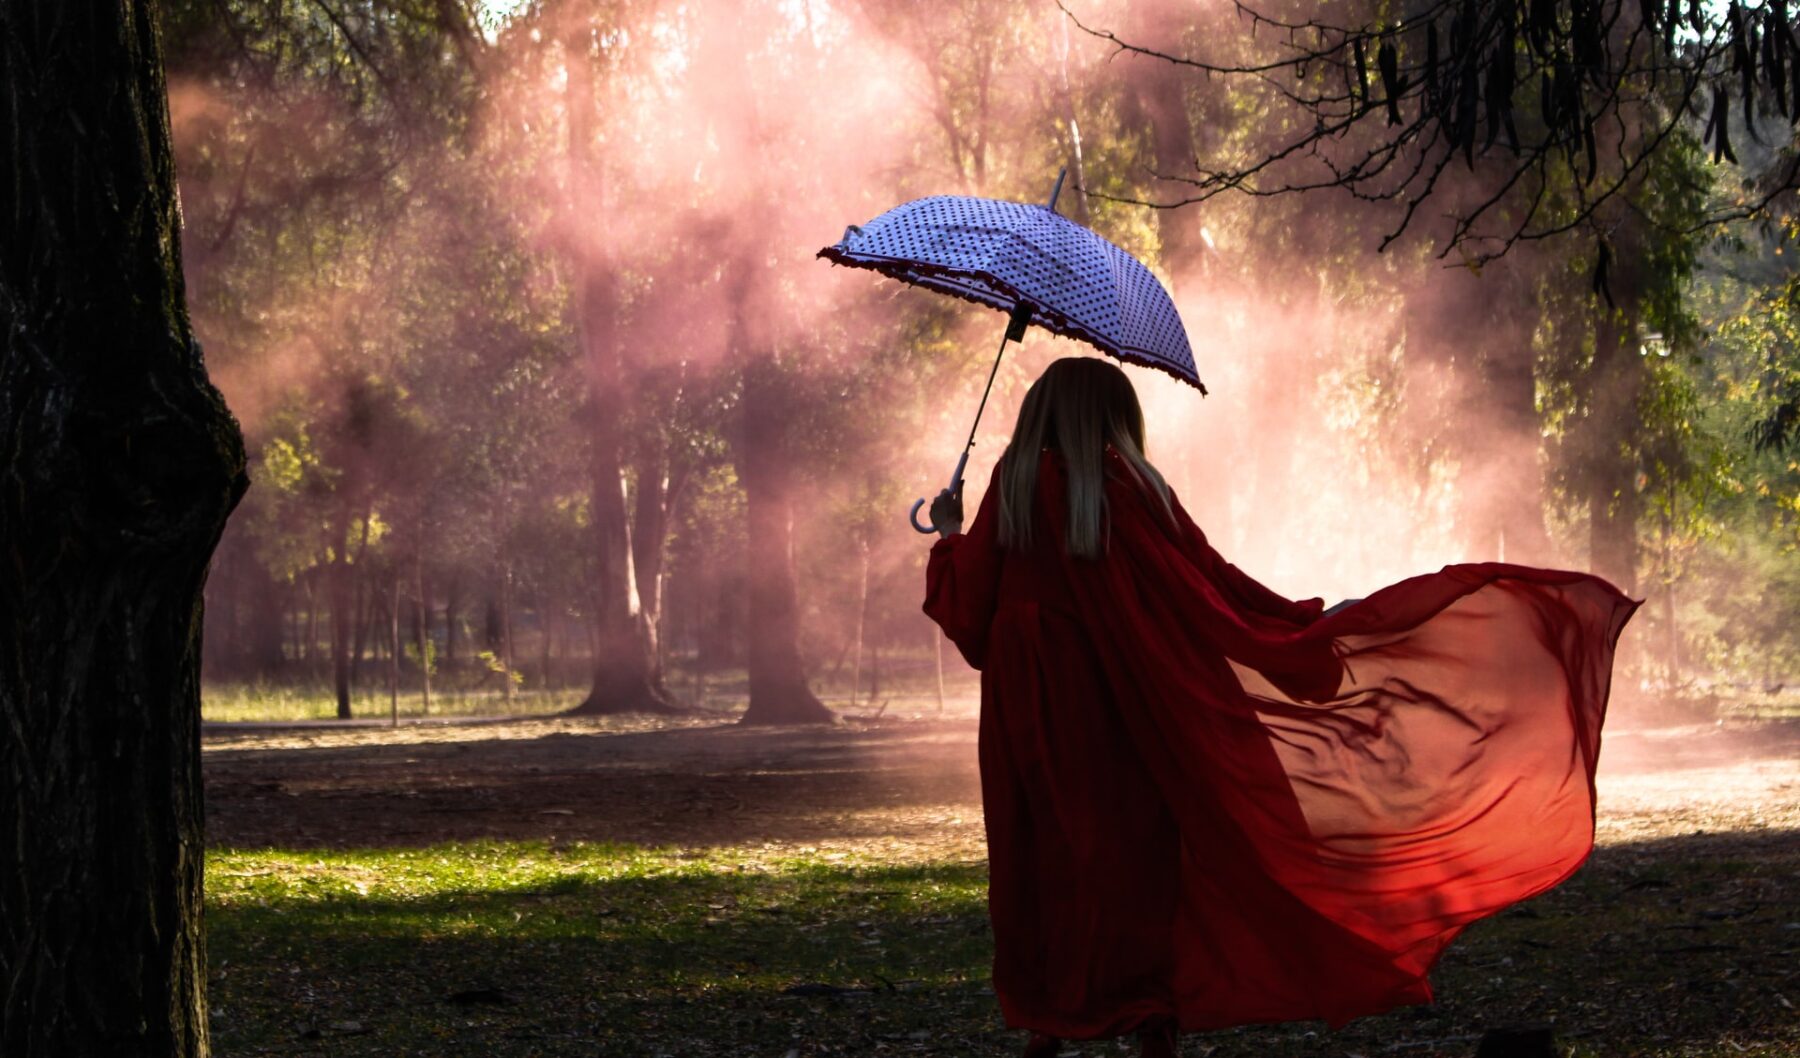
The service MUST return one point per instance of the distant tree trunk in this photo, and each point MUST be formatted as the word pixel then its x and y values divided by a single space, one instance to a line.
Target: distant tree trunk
pixel 778 689
pixel 453 622
pixel 423 627
pixel 862 622
pixel 342 604
pixel 268 613
pixel 506 632
pixel 119 464
pixel 1613 501
pixel 309 643
pixel 1158 102
pixel 659 490
pixel 394 652
pixel 624 672
pixel 1491 425
pixel 365 594
pixel 543 612
pixel 492 632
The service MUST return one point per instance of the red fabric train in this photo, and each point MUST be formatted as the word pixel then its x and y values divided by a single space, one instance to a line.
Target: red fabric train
pixel 1207 801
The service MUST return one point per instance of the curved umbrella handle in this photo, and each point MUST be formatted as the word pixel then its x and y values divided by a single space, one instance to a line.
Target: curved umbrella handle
pixel 956 480
pixel 913 516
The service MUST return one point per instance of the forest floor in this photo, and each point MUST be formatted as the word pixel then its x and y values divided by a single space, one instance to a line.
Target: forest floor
pixel 691 888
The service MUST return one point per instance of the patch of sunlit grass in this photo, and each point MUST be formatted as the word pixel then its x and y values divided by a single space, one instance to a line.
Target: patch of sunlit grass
pixel 510 949
pixel 256 702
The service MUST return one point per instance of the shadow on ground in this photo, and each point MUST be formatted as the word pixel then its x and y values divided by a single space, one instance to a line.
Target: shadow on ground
pixel 913 784
pixel 1682 946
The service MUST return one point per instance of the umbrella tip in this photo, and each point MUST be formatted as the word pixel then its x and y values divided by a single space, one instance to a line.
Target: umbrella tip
pixel 1056 192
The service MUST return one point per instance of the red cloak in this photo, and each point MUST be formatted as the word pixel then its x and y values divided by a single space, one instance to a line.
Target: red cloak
pixel 1205 800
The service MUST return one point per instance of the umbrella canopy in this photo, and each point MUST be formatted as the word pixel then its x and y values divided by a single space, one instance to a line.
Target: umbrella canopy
pixel 1014 255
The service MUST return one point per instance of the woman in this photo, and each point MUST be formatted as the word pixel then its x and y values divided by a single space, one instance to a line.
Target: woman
pixel 1209 805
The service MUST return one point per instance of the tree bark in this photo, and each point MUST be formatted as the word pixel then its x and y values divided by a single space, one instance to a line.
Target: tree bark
pixel 506 633
pixel 394 652
pixel 120 465
pixel 624 674
pixel 452 621
pixel 423 633
pixel 341 600
pixel 778 688
pixel 862 624
pixel 1613 501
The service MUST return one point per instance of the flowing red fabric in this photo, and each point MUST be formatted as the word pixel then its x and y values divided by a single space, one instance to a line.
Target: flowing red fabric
pixel 1206 801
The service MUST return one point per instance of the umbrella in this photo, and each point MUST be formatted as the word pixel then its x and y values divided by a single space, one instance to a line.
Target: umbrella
pixel 1033 263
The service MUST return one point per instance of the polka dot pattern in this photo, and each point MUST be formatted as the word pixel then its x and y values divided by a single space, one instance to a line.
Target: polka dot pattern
pixel 999 253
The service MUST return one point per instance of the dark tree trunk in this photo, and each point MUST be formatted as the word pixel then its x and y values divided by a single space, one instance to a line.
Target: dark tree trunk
pixel 1157 102
pixel 452 621
pixel 422 633
pixel 342 601
pixel 394 652
pixel 506 633
pixel 309 640
pixel 120 466
pixel 624 673
pixel 268 614
pixel 1613 501
pixel 491 631
pixel 778 688
pixel 1492 425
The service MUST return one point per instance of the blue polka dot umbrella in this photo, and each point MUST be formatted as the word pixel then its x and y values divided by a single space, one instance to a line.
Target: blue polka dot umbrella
pixel 1032 262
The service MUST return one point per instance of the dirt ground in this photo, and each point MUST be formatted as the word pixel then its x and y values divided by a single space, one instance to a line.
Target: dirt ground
pixel 904 791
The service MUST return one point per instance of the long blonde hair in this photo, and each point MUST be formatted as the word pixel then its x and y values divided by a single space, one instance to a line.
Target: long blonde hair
pixel 1079 406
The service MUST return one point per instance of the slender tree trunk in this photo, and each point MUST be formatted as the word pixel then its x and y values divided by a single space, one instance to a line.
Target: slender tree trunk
pixel 341 602
pixel 365 619
pixel 543 612
pixel 778 689
pixel 394 653
pixel 453 622
pixel 268 614
pixel 506 632
pixel 309 642
pixel 862 623
pixel 424 634
pixel 624 676
pixel 119 464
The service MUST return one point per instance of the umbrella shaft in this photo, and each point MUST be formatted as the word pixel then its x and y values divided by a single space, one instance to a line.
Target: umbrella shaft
pixel 956 481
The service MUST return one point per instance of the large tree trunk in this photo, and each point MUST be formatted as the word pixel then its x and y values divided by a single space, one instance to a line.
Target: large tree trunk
pixel 778 688
pixel 120 465
pixel 1613 501
pixel 1491 425
pixel 624 673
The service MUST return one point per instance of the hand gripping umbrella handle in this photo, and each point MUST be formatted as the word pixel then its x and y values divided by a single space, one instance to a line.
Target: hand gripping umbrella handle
pixel 1015 332
pixel 955 487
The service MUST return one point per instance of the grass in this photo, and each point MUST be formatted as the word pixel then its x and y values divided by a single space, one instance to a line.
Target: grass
pixel 1675 947
pixel 272 702
pixel 908 687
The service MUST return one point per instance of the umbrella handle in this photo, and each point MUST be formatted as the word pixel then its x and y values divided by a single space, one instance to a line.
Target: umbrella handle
pixel 956 480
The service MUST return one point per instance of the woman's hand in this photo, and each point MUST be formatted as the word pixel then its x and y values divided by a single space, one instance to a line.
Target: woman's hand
pixel 947 512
